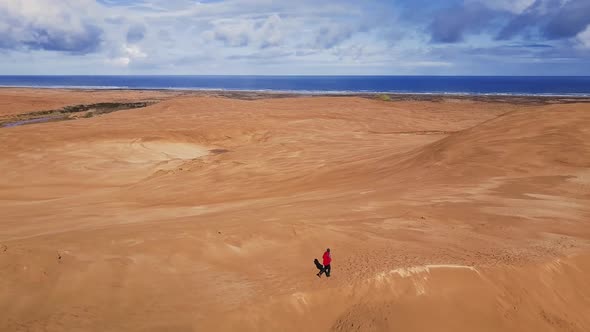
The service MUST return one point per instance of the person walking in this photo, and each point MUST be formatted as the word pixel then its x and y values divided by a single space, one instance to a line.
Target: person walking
pixel 327 260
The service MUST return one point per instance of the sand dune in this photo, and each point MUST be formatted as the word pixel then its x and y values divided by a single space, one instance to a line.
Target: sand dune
pixel 205 213
pixel 531 140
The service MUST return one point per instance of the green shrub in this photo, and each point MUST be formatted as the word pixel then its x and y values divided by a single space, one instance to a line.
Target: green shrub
pixel 384 97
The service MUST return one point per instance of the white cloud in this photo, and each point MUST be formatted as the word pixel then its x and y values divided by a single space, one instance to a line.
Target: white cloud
pixel 427 64
pixel 129 53
pixel 584 37
pixel 331 35
pixel 261 33
pixel 514 6
pixel 134 52
pixel 68 25
pixel 270 33
pixel 119 62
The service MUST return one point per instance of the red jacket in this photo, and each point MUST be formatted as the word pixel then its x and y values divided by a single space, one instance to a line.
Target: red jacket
pixel 327 258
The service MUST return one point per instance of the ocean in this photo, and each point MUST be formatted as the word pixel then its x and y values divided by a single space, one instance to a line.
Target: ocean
pixel 468 85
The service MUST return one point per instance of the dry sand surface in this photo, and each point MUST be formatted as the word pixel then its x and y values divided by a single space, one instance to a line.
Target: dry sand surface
pixel 204 213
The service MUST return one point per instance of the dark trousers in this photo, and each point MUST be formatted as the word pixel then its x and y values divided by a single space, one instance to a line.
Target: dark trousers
pixel 327 270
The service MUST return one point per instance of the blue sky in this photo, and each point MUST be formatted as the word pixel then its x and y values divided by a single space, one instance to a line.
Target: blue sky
pixel 305 37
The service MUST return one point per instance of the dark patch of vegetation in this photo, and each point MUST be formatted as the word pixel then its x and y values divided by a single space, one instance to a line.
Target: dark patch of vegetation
pixel 99 108
pixel 517 100
pixel 218 151
pixel 70 113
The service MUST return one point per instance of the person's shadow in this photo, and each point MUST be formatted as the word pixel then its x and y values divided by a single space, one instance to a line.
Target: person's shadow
pixel 319 266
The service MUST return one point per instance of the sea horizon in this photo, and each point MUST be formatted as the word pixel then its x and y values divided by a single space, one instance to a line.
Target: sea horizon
pixel 318 84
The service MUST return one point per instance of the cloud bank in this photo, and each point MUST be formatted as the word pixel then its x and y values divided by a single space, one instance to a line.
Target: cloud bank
pixel 485 37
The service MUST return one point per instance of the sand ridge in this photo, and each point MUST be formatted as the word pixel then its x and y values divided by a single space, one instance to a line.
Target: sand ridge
pixel 205 213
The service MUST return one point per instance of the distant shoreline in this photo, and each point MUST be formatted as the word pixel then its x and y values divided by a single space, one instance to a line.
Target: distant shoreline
pixel 569 87
pixel 392 96
pixel 300 92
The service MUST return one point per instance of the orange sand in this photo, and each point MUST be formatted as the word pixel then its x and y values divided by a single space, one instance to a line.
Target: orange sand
pixel 442 216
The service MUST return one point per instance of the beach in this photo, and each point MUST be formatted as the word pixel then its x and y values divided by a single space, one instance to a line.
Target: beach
pixel 153 210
